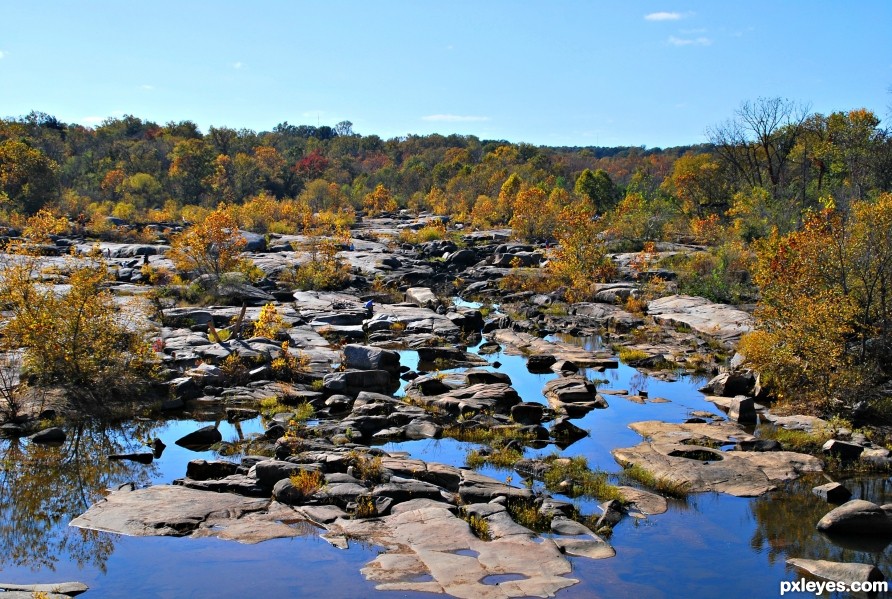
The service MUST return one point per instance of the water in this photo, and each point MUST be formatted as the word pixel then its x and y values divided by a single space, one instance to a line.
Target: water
pixel 708 545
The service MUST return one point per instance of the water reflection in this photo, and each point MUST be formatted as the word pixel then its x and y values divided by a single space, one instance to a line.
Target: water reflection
pixel 786 519
pixel 42 488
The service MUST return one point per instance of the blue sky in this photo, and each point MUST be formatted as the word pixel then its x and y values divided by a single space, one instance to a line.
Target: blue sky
pixel 550 73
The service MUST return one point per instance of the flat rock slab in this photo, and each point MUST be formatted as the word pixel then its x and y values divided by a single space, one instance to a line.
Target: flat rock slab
pixel 838 571
pixel 433 542
pixel 700 469
pixel 517 343
pixel 715 320
pixel 167 510
pixel 721 432
pixel 61 589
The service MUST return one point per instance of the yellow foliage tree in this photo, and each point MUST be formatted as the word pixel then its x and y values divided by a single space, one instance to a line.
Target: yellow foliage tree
pixel 379 200
pixel 212 246
pixel 580 259
pixel 77 339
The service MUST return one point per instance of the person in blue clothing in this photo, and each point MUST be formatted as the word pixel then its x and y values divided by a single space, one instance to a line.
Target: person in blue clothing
pixel 369 307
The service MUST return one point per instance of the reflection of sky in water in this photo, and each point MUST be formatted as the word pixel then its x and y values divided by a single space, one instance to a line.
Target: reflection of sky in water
pixel 706 546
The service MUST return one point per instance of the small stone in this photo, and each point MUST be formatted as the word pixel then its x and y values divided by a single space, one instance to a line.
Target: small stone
pixel 832 493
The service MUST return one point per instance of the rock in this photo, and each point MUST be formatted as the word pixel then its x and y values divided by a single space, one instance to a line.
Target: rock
pixel 462 258
pixel 430 549
pixel 269 472
pixel 541 363
pixel 714 320
pixel 832 493
pixel 857 517
pixel 49 435
pixel 613 513
pixel 352 382
pixel 51 590
pixel 591 546
pixel 422 297
pixel 204 470
pixel 573 395
pixel 422 429
pixel 838 571
pixel 842 449
pixel 668 455
pixel 167 510
pixel 758 445
pixel 477 488
pixel 201 439
pixel 206 374
pixel 730 384
pixel 238 484
pixel 564 366
pixel 496 398
pixel 742 410
pixel 566 432
pixel 362 357
pixel 405 489
pixel 527 412
pixel 142 458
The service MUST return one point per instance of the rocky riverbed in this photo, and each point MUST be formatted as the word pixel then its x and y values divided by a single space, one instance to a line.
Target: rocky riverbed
pixel 422 371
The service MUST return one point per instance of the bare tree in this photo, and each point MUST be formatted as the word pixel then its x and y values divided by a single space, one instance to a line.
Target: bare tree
pixel 758 141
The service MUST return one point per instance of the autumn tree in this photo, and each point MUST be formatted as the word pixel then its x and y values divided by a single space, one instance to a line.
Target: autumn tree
pixel 78 339
pixel 210 247
pixel 28 178
pixel 823 320
pixel 580 259
pixel 532 215
pixel 191 165
pixel 379 200
pixel 700 185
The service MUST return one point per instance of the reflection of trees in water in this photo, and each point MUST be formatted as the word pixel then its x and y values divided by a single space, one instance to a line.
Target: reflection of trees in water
pixel 785 524
pixel 42 488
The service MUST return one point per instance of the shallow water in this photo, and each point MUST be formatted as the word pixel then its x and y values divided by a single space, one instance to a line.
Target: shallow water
pixel 708 545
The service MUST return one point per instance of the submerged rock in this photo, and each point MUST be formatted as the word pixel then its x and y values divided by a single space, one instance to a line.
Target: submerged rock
pixel 838 571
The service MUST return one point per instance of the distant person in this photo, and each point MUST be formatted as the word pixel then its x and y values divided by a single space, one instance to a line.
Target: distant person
pixel 369 308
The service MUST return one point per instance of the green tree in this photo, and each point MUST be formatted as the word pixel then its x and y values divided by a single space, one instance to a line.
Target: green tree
pixel 28 177
pixel 597 189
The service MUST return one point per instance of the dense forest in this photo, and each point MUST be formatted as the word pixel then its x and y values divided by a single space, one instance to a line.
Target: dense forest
pixel 790 208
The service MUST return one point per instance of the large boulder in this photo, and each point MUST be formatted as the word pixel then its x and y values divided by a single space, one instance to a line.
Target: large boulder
pixel 858 517
pixel 363 357
pixel 422 297
pixel 352 382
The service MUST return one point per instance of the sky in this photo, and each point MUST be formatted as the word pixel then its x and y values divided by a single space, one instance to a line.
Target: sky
pixel 557 73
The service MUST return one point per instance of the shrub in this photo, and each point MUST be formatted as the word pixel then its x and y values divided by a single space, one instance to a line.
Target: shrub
pixel 78 339
pixel 212 246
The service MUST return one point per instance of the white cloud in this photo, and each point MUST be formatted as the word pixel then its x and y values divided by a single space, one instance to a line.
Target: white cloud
pixel 698 41
pixel 454 118
pixel 89 121
pixel 147 87
pixel 2 53
pixel 663 16
pixel 237 65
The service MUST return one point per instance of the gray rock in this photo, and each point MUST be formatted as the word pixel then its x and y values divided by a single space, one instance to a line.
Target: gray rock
pixel 200 439
pixel 527 412
pixel 730 384
pixel 204 470
pixel 842 449
pixel 838 571
pixel 352 382
pixel 362 357
pixel 405 489
pixel 422 297
pixel 422 429
pixel 857 517
pixel 742 410
pixel 832 493
pixel 68 589
pixel 269 472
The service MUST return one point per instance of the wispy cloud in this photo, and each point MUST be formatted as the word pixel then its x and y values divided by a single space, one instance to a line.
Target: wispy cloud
pixel 147 87
pixel 237 65
pixel 683 41
pixel 89 121
pixel 454 118
pixel 2 53
pixel 663 16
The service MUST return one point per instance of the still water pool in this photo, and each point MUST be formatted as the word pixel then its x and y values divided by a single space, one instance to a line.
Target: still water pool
pixel 708 545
